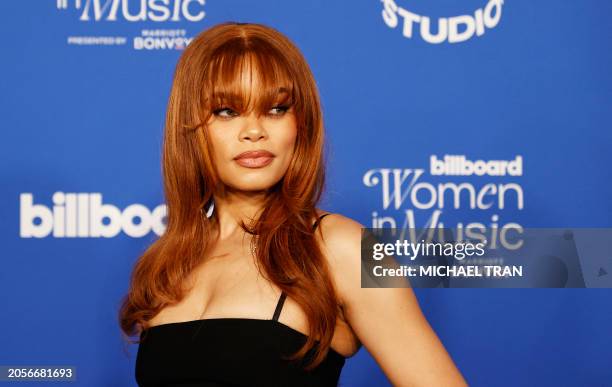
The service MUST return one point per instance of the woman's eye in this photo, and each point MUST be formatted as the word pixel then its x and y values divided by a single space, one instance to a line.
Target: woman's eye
pixel 279 110
pixel 225 113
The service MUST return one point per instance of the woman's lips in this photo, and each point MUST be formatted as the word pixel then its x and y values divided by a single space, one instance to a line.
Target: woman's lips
pixel 254 159
pixel 254 162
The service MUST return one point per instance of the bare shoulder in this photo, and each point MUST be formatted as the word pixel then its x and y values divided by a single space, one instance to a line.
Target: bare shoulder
pixel 339 231
pixel 340 242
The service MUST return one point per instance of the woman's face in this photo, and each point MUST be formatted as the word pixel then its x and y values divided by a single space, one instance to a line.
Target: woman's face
pixel 252 152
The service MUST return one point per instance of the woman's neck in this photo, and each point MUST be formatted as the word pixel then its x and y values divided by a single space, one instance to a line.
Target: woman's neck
pixel 232 207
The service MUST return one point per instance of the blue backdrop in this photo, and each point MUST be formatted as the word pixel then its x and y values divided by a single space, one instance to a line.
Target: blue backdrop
pixel 84 91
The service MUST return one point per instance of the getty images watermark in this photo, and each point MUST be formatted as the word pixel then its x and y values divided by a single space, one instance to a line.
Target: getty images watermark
pixel 517 258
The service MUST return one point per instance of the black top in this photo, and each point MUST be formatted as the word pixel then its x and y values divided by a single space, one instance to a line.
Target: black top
pixel 229 352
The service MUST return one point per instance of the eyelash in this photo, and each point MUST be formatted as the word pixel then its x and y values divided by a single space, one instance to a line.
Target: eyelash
pixel 283 109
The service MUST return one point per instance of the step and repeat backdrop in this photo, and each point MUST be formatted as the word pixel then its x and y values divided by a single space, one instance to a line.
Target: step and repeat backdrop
pixel 437 114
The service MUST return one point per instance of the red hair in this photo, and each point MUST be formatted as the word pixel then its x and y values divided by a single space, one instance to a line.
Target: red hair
pixel 207 76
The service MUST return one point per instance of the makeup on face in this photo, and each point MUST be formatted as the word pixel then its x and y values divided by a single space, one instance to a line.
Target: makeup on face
pixel 255 158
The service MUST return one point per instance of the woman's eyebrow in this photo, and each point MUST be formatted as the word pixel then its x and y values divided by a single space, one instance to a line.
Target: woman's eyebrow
pixel 281 93
pixel 231 94
pixel 226 95
pixel 282 90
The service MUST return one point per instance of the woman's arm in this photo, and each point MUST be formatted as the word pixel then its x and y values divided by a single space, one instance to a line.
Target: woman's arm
pixel 388 321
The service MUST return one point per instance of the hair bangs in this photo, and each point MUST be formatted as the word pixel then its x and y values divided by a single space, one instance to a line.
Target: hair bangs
pixel 248 75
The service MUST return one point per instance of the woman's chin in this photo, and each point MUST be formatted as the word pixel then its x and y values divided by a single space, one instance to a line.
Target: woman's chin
pixel 254 186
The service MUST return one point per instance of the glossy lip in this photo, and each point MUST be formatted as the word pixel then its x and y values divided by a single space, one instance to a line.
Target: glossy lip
pixel 254 159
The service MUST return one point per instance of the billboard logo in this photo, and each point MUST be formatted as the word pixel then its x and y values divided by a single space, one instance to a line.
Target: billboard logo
pixel 458 165
pixel 409 191
pixel 82 215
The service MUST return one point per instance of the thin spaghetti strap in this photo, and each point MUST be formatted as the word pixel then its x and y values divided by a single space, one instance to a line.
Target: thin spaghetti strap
pixel 283 296
pixel 316 223
pixel 279 306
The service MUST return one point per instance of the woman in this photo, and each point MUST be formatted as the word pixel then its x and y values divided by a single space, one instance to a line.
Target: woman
pixel 249 285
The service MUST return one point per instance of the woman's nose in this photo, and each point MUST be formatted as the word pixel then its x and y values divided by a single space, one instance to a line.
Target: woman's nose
pixel 253 129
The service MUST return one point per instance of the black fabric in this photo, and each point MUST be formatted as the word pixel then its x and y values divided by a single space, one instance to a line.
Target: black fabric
pixel 316 223
pixel 226 352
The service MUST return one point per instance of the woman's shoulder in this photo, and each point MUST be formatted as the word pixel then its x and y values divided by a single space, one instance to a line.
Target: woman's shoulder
pixel 340 242
pixel 340 238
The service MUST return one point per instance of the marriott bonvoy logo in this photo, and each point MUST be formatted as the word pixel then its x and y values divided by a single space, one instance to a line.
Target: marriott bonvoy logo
pixel 83 215
pixel 134 11
pixel 453 29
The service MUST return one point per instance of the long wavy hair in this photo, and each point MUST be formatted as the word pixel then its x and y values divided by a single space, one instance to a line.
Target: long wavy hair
pixel 207 77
